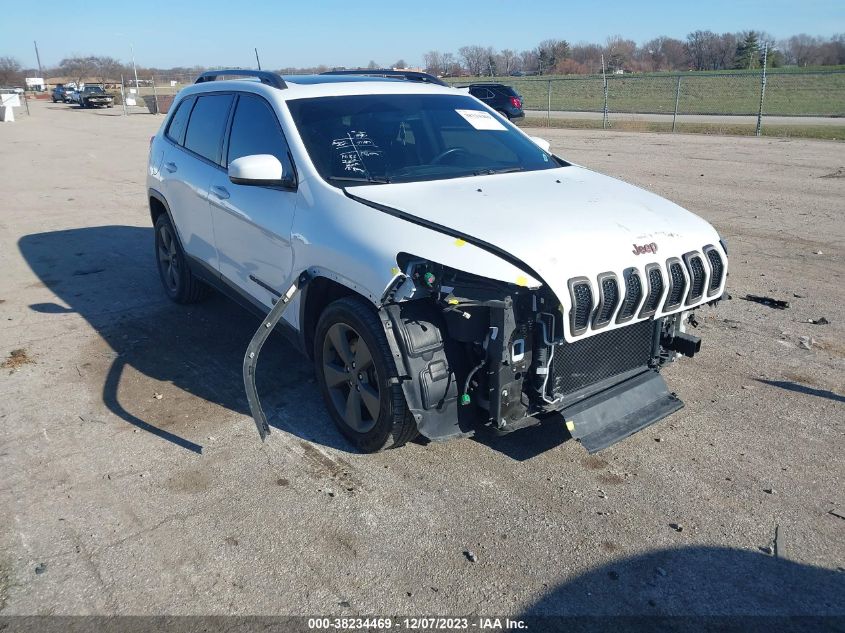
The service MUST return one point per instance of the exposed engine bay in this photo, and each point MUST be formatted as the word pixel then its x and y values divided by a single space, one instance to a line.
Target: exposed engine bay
pixel 472 351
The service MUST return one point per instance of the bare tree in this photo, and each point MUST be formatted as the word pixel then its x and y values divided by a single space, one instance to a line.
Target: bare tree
pixel 474 59
pixel 433 62
pixel 588 56
pixel 619 52
pixel 528 61
pixel 451 66
pixel 400 63
pixel 78 68
pixel 10 71
pixel 372 65
pixel 700 45
pixel 507 59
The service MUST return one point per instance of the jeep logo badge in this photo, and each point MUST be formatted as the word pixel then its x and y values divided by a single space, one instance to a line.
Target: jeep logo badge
pixel 640 249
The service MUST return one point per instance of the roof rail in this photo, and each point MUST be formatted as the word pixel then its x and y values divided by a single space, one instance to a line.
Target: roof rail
pixel 265 76
pixel 409 75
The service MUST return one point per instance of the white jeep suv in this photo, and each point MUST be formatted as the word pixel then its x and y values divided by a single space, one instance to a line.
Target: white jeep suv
pixel 455 273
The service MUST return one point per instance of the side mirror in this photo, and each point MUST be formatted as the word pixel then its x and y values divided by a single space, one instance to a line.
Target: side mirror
pixel 541 143
pixel 258 169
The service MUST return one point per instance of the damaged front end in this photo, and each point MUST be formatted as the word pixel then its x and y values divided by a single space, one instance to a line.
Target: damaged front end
pixel 472 351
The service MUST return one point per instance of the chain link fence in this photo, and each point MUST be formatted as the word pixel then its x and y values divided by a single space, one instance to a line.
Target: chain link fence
pixel 771 102
pixel 693 101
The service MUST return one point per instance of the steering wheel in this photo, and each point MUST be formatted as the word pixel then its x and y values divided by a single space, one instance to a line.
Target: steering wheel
pixel 453 151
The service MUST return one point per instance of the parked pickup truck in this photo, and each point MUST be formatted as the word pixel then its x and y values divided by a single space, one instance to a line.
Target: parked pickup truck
pixel 95 96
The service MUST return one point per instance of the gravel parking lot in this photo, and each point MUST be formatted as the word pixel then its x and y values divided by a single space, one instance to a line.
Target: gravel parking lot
pixel 134 482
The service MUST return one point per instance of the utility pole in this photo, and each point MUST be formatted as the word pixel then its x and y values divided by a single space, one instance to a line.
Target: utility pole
pixel 38 57
pixel 257 61
pixel 134 69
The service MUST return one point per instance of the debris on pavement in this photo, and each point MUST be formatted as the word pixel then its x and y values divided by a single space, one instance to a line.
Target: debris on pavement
pixel 157 396
pixel 40 568
pixel 778 304
pixel 677 527
pixel 806 342
pixel 17 358
pixel 819 321
pixel 470 555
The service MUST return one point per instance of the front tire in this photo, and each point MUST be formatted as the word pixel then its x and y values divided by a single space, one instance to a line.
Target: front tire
pixel 356 374
pixel 180 284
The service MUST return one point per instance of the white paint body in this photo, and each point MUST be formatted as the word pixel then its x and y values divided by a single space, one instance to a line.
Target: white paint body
pixel 561 223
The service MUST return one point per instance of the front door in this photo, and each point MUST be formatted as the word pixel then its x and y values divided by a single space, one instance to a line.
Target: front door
pixel 252 224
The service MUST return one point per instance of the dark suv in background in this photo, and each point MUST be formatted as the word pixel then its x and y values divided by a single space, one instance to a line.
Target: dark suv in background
pixel 499 97
pixel 61 93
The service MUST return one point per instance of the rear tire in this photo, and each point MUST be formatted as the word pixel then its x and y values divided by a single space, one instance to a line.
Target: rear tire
pixel 356 374
pixel 180 284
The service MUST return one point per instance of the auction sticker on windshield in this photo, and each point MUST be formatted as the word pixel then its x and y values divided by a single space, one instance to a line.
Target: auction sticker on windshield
pixel 481 120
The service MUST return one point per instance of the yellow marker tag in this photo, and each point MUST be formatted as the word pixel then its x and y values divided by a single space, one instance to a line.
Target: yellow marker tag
pixel 570 426
pixel 459 242
pixel 522 280
pixel 453 302
pixel 394 271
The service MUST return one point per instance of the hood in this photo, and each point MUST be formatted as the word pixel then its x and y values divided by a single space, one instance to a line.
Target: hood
pixel 562 223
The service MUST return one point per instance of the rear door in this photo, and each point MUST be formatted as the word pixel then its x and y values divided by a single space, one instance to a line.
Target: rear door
pixel 253 224
pixel 192 159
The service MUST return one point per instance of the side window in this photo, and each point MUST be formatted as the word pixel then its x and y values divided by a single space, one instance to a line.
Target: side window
pixel 256 130
pixel 207 124
pixel 176 129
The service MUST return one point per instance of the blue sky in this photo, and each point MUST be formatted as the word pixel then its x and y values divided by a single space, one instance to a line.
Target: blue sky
pixel 333 32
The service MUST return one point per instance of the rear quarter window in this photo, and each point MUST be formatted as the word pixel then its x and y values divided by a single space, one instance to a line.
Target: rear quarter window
pixel 204 135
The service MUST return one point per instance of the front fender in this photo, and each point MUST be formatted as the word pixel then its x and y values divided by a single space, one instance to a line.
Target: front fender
pixel 359 251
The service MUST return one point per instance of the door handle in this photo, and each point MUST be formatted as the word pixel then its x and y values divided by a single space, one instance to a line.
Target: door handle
pixel 220 192
pixel 171 167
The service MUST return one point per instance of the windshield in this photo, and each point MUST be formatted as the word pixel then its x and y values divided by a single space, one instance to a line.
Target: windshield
pixel 93 89
pixel 364 139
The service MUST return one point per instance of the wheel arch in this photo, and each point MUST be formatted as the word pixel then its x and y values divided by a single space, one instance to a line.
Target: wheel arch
pixel 317 296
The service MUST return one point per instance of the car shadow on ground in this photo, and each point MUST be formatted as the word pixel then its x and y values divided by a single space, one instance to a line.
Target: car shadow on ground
pixel 807 391
pixel 107 275
pixel 695 588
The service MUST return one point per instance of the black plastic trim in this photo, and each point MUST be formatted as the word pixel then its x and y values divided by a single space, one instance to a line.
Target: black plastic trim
pixel 626 275
pixel 602 277
pixel 648 288
pixel 671 306
pixel 688 257
pixel 713 291
pixel 577 281
pixel 409 75
pixel 264 76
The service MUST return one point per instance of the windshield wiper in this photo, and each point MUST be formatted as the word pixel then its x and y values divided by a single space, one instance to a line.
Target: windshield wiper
pixel 376 180
pixel 503 170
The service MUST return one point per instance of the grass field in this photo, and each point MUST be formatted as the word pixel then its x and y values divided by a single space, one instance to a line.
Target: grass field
pixel 823 132
pixel 787 94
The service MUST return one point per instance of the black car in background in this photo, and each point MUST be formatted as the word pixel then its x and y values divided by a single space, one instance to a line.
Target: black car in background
pixel 499 97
